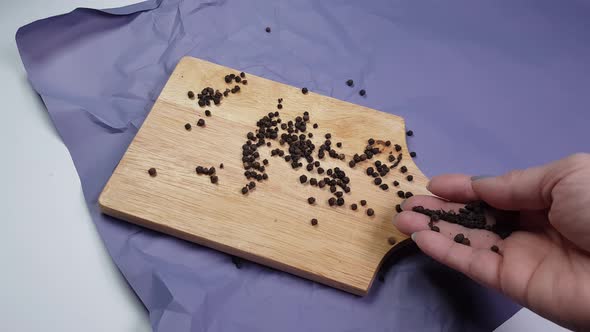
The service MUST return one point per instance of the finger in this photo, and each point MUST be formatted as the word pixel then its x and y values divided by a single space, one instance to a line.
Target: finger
pixel 454 187
pixel 409 222
pixel 481 265
pixel 518 189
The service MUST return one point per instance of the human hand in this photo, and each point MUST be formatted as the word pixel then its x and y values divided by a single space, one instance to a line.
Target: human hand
pixel 545 265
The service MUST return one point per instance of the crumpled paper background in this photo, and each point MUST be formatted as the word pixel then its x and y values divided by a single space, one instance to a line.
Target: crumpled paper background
pixel 487 86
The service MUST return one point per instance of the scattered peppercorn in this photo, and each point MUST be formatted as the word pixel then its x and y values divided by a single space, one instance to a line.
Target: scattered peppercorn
pixel 363 202
pixel 152 172
pixel 410 133
pixel 377 181
pixel 398 208
pixel 214 179
pixel 409 177
pixel 401 194
pixel 187 126
pixel 403 169
pixel 370 212
pixel 208 113
pixel 349 82
pixel 466 241
pixel 353 206
pixel 384 186
pixel 279 106
pixel 332 201
pixel 311 200
pixel 267 29
pixel 339 144
pixel 395 183
pixel 313 181
pixel 362 92
pixel 340 201
pixel 314 221
pixel 304 91
pixel 371 141
pixel 201 123
pixel 303 178
pixel 413 154
pixel 409 194
pixel 221 165
pixel 244 190
pixel 459 238
pixel 191 95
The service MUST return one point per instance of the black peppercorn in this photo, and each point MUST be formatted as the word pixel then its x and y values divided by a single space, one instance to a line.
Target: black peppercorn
pixel 214 179
pixel 313 181
pixel 384 186
pixel 152 172
pixel 340 201
pixel 370 171
pixel 370 212
pixel 242 74
pixel 304 91
pixel 412 154
pixel 279 106
pixel 320 170
pixel 311 200
pixel 187 126
pixel 332 201
pixel 395 183
pixel 398 147
pixel 362 92
pixel 303 179
pixel 201 123
pixel 221 165
pixel 363 202
pixel 208 113
pixel 459 238
pixel 339 144
pixel 409 177
pixel 267 29
pixel 401 194
pixel 377 181
pixel 349 82
pixel 314 221
pixel 244 190
pixel 403 169
pixel 408 194
pixel 410 133
pixel 398 208
pixel 353 206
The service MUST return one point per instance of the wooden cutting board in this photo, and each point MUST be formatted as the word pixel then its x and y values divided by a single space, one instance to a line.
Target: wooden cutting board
pixel 271 223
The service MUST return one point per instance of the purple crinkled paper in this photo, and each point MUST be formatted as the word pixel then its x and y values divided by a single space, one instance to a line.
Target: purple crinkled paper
pixel 487 86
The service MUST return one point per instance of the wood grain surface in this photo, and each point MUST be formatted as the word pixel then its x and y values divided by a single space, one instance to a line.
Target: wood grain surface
pixel 271 224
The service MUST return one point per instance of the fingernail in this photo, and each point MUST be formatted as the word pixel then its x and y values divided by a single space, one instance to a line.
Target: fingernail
pixel 413 236
pixel 479 177
pixel 394 221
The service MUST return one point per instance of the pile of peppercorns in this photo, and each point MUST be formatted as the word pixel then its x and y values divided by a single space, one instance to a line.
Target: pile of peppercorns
pixel 472 216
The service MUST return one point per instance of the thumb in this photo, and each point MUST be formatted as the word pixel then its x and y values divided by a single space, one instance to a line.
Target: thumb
pixel 528 189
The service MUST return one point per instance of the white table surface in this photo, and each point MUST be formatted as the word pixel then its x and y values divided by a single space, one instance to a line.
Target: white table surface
pixel 56 274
